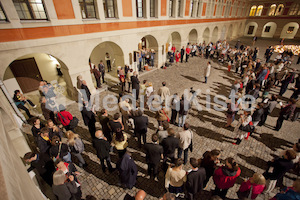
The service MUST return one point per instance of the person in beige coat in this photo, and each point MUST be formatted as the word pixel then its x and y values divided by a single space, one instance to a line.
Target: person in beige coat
pixel 125 109
pixel 207 71
pixel 163 92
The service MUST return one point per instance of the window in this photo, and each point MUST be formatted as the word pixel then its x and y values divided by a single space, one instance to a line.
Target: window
pixel 272 10
pixel 87 8
pixel 267 29
pixel 290 30
pixel 171 12
pixel 2 14
pixel 252 11
pixel 139 8
pixel 279 10
pixel 199 8
pixel 179 8
pixel 250 30
pixel 259 10
pixel 294 9
pixel 192 8
pixel 30 9
pixel 109 8
pixel 152 8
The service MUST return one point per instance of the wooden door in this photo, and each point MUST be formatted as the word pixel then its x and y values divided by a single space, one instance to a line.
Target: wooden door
pixel 27 74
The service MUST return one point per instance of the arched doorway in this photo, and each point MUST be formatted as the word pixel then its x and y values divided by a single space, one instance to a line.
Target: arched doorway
pixel 223 33
pixel 174 39
pixel 149 42
pixel 230 33
pixel 269 29
pixel 214 37
pixel 26 72
pixel 205 36
pixel 193 36
pixel 116 58
pixel 289 30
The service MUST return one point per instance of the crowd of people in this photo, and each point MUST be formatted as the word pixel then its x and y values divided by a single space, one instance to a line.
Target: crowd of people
pixel 54 163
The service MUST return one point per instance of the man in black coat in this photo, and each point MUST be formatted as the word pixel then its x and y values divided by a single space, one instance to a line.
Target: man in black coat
pixel 195 179
pixel 140 126
pixel 104 119
pixel 102 147
pixel 42 163
pixel 170 144
pixel 43 141
pixel 154 153
pixel 89 119
pixel 258 113
pixel 182 51
pixel 135 85
pixel 127 171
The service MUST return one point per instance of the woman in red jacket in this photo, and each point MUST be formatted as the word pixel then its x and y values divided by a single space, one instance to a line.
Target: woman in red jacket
pixel 226 176
pixel 252 187
pixel 64 117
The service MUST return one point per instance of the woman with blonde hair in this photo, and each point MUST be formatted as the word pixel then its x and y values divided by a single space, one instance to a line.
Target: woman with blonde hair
pixel 251 188
pixel 64 187
pixel 175 178
pixel 76 146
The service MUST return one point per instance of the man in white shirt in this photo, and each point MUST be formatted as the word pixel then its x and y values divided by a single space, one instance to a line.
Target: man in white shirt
pixel 207 71
pixel 185 142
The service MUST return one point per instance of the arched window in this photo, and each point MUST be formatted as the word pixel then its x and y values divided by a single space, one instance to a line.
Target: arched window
pixel 294 9
pixel 252 11
pixel 272 10
pixel 279 10
pixel 259 10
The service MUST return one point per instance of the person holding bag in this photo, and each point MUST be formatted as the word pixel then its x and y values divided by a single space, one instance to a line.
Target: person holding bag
pixel 66 118
pixel 243 127
pixel 251 188
pixel 76 146
pixel 162 115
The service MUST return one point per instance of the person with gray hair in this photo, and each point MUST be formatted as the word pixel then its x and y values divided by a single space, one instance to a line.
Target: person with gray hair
pixel 102 147
pixel 64 188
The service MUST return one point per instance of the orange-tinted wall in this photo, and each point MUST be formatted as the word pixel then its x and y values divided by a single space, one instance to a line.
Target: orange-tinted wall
pixel 163 11
pixel 215 10
pixel 204 9
pixel 64 9
pixel 223 11
pixel 127 8
pixel 187 7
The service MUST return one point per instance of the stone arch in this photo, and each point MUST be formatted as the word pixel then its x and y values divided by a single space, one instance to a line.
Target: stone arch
pixel 25 73
pixel 174 39
pixel 269 29
pixel 150 42
pixel 288 34
pixel 223 33
pixel 250 29
pixel 115 52
pixel 230 35
pixel 215 35
pixel 193 36
pixel 206 35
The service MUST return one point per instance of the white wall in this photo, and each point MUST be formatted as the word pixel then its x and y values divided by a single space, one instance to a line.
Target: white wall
pixel 271 33
pixel 286 35
pixel 247 28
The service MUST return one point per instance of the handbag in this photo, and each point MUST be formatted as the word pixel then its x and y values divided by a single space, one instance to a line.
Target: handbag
pixel 73 123
pixel 168 119
pixel 247 128
pixel 55 158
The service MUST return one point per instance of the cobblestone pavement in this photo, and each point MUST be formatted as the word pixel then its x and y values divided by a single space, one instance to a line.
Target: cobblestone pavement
pixel 209 133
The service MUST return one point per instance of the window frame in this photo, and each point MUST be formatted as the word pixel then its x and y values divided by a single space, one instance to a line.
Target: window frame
pixel 294 9
pixel 253 10
pixel 171 8
pixel 3 20
pixel 30 10
pixel 277 12
pixel 153 8
pixel 106 10
pixel 137 9
pixel 272 10
pixel 192 8
pixel 85 9
pixel 179 2
pixel 259 10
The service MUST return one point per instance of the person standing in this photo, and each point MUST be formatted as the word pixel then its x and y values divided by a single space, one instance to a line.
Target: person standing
pixel 135 85
pixel 177 56
pixel 42 163
pixel 241 133
pixel 209 163
pixel 140 126
pixel 252 187
pixel 43 141
pixel 225 177
pixel 125 109
pixel 127 171
pixel 64 187
pixel 97 75
pixel 102 147
pixel 76 147
pixel 102 70
pixel 285 113
pixel 268 108
pixel 185 142
pixel 182 51
pixel 86 92
pixel 108 61
pixel 104 119
pixel 285 83
pixel 183 111
pixel 175 106
pixel 164 92
pixel 207 71
pixel 170 144
pixel 154 153
pixel 188 51
pixel 257 114
pixel 89 119
pixel 195 179
pixel 47 110
pixel 128 79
